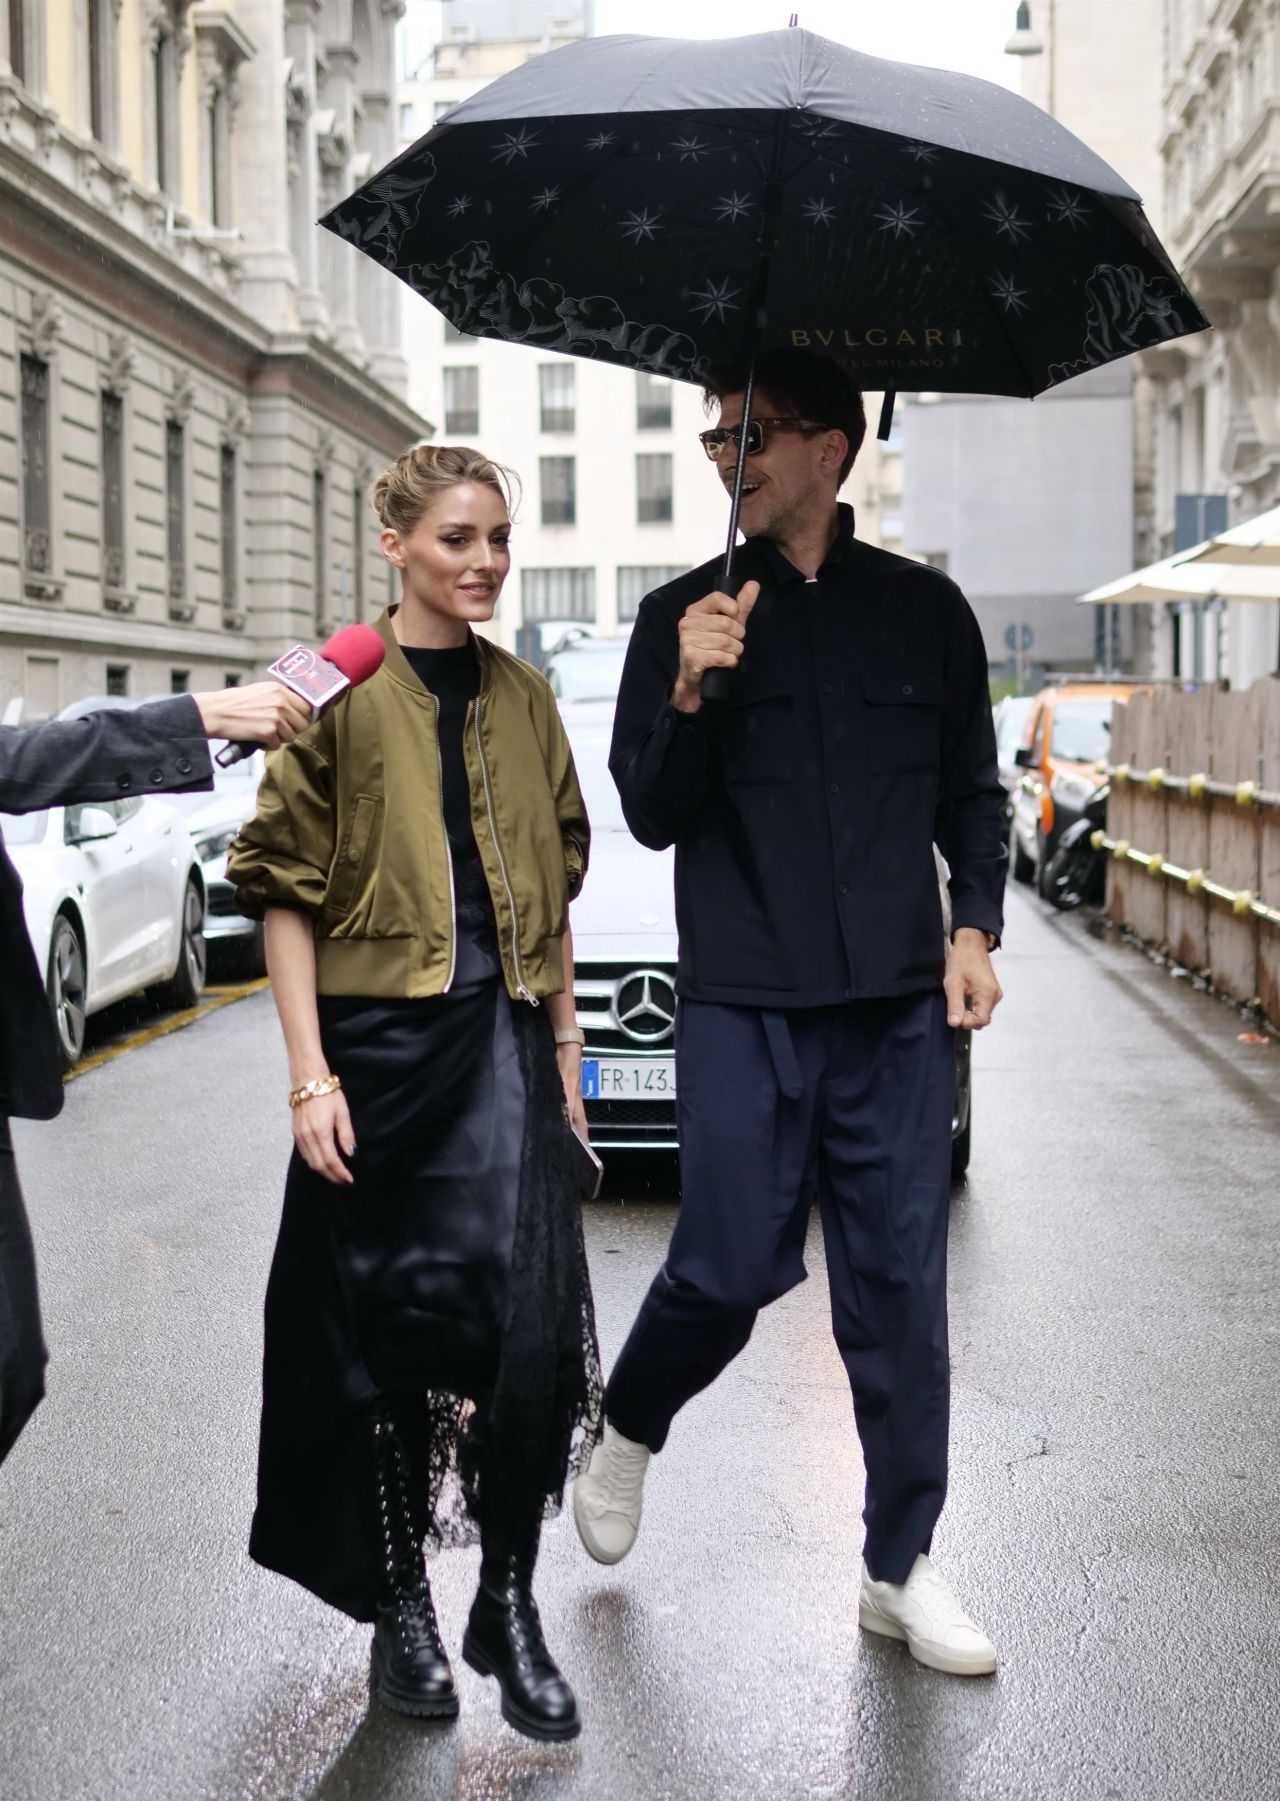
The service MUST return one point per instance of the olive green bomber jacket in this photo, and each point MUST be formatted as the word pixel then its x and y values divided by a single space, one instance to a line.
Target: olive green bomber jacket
pixel 350 828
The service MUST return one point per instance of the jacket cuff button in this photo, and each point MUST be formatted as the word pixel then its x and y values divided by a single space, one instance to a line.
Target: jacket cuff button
pixel 124 781
pixel 184 766
pixel 157 776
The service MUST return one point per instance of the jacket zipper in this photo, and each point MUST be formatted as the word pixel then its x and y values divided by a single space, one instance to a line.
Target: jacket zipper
pixel 448 853
pixel 502 865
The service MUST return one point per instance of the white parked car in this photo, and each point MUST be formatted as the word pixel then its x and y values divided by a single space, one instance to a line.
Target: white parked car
pixel 213 821
pixel 114 901
pixel 624 956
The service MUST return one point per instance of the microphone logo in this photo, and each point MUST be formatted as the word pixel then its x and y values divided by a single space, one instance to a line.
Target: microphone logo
pixel 313 677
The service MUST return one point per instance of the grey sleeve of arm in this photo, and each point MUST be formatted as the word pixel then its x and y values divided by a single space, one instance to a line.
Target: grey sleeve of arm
pixel 110 755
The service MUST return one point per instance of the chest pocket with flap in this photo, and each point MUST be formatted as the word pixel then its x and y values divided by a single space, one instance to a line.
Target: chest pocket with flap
pixel 903 720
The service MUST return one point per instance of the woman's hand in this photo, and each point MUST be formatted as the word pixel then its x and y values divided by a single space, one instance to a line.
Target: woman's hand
pixel 321 1128
pixel 569 1060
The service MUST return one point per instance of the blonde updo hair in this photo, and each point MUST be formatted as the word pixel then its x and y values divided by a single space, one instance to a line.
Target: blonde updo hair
pixel 417 479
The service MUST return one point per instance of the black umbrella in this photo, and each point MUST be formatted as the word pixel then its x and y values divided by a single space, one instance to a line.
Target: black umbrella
pixel 671 205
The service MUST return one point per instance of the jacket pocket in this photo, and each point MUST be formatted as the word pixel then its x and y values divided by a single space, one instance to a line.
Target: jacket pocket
pixel 353 854
pixel 754 736
pixel 904 721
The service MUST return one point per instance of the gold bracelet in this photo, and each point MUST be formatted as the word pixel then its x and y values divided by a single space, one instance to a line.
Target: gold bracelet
pixel 312 1091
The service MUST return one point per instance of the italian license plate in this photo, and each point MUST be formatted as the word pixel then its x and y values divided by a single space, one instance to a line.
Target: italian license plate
pixel 628 1078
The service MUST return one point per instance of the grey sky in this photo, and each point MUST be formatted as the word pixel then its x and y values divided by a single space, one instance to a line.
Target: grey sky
pixel 968 35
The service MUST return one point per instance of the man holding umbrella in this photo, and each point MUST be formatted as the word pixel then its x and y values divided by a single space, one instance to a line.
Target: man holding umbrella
pixel 814 1042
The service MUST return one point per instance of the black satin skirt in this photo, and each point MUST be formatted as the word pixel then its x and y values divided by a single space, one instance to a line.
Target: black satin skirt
pixel 406 1287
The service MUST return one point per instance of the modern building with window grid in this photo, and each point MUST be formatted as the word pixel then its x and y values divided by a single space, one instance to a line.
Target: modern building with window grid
pixel 617 494
pixel 196 384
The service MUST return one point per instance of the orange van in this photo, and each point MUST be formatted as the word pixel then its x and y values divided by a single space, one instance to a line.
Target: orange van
pixel 1062 758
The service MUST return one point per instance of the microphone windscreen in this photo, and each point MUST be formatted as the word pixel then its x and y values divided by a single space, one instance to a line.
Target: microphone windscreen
pixel 357 651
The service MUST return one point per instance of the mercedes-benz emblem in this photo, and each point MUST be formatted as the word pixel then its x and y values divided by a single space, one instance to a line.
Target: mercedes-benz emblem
pixel 645 1006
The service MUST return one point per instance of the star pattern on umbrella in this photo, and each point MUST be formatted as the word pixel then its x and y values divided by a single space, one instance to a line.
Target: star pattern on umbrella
pixel 920 153
pixel 716 300
pixel 818 212
pixel 1011 297
pixel 601 141
pixel 1007 220
pixel 1066 208
pixel 515 144
pixel 902 220
pixel 459 206
pixel 732 207
pixel 543 202
pixel 691 148
pixel 816 130
pixel 641 223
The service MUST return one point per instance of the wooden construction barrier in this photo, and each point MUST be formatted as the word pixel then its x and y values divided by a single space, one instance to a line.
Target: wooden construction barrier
pixel 1193 825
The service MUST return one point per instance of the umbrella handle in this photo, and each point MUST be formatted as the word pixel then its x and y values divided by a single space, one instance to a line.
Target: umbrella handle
pixel 717 683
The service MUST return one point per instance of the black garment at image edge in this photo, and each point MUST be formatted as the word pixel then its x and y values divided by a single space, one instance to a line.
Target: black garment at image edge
pixel 453 677
pixel 804 809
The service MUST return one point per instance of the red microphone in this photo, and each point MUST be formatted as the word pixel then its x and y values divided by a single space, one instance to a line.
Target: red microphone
pixel 321 676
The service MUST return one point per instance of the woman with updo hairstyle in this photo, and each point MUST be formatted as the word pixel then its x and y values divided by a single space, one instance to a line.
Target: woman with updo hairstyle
pixel 430 1371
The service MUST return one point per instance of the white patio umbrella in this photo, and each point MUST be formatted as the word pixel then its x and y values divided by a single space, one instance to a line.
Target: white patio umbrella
pixel 1256 541
pixel 1191 576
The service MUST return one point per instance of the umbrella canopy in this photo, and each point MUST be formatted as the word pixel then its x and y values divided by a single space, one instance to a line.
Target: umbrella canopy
pixel 670 205
pixel 1256 542
pixel 1185 577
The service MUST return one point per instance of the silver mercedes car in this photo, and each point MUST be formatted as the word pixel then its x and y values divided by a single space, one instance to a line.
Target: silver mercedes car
pixel 624 945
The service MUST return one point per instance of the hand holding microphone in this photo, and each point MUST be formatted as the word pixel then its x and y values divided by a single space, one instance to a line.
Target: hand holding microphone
pixel 306 683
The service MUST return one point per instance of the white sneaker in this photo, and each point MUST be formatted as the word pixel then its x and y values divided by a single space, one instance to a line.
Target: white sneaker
pixel 923 1611
pixel 608 1497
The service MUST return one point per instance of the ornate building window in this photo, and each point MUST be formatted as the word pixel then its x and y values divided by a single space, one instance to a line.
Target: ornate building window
pixel 18 38
pixel 175 488
pixel 37 546
pixel 169 41
pixel 229 527
pixel 100 98
pixel 556 396
pixel 221 49
pixel 320 560
pixel 113 509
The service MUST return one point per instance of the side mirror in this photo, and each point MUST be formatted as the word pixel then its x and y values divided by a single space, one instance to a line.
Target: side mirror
pixel 1025 756
pixel 90 825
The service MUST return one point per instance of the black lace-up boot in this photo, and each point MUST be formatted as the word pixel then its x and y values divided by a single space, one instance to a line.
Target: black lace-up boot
pixel 504 1639
pixel 410 1668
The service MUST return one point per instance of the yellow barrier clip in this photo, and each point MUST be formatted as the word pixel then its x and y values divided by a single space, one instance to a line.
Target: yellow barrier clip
pixel 1121 772
pixel 1246 793
pixel 1195 880
pixel 1098 839
pixel 1155 865
pixel 1242 901
pixel 1155 778
pixel 1196 785
pixel 1120 849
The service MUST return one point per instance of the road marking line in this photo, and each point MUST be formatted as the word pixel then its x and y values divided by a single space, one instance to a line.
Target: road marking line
pixel 221 997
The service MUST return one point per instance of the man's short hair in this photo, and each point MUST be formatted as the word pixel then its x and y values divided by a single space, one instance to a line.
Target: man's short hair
pixel 802 384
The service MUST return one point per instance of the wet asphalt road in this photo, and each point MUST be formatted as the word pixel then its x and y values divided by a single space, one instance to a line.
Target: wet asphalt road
pixel 1115 1469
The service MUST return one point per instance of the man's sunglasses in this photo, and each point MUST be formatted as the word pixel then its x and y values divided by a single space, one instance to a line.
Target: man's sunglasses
pixel 714 441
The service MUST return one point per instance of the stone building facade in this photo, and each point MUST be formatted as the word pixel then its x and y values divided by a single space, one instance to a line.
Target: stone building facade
pixel 1218 394
pixel 196 383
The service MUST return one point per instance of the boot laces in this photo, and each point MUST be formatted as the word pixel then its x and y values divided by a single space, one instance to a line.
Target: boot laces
pixel 624 1471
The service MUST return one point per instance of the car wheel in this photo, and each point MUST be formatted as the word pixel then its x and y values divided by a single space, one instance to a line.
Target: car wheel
pixel 186 985
pixel 1044 862
pixel 962 1146
pixel 66 984
pixel 1023 867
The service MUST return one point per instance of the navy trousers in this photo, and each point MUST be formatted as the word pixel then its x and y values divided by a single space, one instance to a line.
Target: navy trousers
pixel 853 1105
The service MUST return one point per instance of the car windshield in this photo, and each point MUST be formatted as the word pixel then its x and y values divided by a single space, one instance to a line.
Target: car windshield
pixel 1081 730
pixel 1013 726
pixel 590 745
pixel 23 828
pixel 587 674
